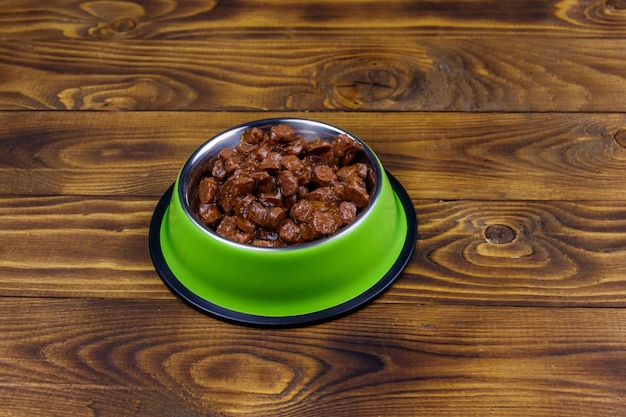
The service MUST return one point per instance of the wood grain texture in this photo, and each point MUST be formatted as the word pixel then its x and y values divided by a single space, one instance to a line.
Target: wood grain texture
pixel 536 253
pixel 193 19
pixel 507 253
pixel 133 358
pixel 308 73
pixel 504 120
pixel 75 247
pixel 449 156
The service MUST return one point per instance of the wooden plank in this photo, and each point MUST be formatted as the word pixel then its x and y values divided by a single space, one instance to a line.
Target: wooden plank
pixel 77 247
pixel 48 400
pixel 535 253
pixel 97 357
pixel 61 245
pixel 196 19
pixel 322 72
pixel 507 253
pixel 449 156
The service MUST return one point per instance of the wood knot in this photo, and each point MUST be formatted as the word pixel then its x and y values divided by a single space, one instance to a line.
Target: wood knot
pixel 620 137
pixel 389 82
pixel 616 4
pixel 123 25
pixel 368 86
pixel 500 234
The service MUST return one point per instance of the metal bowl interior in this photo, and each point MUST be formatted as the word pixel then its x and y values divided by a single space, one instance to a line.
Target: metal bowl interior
pixel 201 162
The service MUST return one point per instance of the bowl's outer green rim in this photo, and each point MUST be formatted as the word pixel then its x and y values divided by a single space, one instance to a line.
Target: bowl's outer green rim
pixel 206 306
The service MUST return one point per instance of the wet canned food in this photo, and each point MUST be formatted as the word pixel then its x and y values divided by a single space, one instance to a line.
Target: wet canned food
pixel 277 189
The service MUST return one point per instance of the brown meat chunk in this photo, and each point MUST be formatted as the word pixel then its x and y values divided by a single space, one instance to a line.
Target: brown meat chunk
pixel 323 175
pixel 261 177
pixel 245 225
pixel 236 186
pixel 282 133
pixel 257 212
pixel 271 199
pixel 261 152
pixel 325 195
pixel 296 147
pixel 253 136
pixel 289 232
pixel 267 217
pixel 246 148
pixel 339 188
pixel 325 223
pixel 302 211
pixel 347 172
pixel 233 189
pixel 318 146
pixel 208 190
pixel 347 212
pixel 275 215
pixel 362 170
pixel 287 182
pixel 210 214
pixel 345 148
pixel 292 163
pixel 307 233
pixel 228 229
pixel 272 161
pixel 218 171
pixel 242 204
pixel 356 191
pixel 270 243
pixel 226 154
pixel 232 165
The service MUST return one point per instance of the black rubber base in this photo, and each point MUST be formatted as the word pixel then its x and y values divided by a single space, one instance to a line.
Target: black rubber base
pixel 206 306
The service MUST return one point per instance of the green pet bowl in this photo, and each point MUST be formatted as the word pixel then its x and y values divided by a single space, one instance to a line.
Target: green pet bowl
pixel 286 286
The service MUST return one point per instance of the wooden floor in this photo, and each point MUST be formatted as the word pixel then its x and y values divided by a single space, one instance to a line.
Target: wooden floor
pixel 505 121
